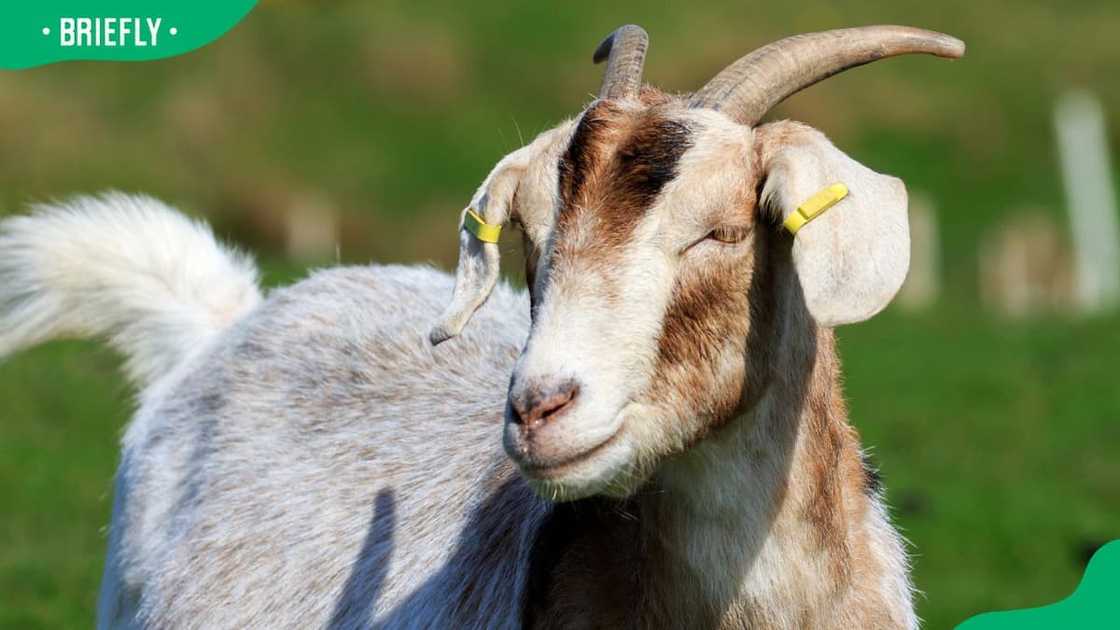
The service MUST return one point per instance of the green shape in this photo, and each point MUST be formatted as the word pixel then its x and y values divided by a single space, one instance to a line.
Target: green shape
pixel 1093 604
pixel 38 32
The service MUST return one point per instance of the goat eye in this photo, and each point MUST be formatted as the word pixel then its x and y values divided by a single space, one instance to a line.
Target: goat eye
pixel 728 234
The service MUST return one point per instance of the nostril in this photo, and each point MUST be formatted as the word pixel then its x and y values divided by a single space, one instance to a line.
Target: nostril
pixel 557 402
pixel 537 405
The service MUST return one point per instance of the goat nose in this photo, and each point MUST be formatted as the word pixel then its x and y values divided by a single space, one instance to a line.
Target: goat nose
pixel 536 404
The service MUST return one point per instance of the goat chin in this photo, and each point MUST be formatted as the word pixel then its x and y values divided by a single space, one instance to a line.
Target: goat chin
pixel 608 471
pixel 614 468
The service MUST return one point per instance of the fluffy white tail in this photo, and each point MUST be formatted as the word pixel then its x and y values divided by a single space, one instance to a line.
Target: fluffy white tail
pixel 129 268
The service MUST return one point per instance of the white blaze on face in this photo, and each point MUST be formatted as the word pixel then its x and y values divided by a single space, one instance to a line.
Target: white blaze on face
pixel 597 323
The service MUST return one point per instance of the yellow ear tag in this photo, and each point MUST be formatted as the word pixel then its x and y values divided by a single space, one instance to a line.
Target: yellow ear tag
pixel 816 204
pixel 483 231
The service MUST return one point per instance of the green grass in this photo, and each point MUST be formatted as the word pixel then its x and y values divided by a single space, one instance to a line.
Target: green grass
pixel 62 410
pixel 998 448
pixel 997 440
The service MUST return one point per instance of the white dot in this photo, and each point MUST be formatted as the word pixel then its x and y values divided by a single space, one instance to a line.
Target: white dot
pixel 174 31
pixel 46 30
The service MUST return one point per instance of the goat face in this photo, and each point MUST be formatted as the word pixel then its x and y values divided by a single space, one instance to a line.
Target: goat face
pixel 649 223
pixel 639 292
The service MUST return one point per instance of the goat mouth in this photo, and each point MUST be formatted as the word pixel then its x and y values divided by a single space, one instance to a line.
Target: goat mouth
pixel 557 470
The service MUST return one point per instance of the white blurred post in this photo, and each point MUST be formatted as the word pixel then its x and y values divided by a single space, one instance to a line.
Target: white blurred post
pixel 312 228
pixel 1086 169
pixel 923 281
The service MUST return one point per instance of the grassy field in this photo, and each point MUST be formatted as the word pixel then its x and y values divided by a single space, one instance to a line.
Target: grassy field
pixel 997 439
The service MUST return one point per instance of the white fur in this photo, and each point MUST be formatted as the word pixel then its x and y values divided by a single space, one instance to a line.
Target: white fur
pixel 528 172
pixel 115 266
pixel 281 470
pixel 851 260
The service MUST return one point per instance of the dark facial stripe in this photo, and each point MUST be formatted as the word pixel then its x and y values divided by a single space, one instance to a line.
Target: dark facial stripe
pixel 648 159
pixel 616 165
pixel 583 154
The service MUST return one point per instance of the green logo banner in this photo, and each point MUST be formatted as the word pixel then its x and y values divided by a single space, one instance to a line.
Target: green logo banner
pixel 37 32
pixel 1093 605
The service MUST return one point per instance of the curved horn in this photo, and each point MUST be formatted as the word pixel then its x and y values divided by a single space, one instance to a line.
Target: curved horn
pixel 625 53
pixel 754 84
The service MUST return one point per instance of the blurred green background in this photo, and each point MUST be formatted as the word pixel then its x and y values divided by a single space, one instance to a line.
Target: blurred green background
pixel 996 436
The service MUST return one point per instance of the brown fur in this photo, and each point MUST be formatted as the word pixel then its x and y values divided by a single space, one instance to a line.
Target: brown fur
pixel 616 564
pixel 705 320
pixel 615 166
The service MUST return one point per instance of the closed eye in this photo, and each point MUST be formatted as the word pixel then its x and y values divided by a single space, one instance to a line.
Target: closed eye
pixel 728 234
pixel 721 236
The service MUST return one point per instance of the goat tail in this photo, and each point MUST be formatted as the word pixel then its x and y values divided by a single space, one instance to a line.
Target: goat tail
pixel 154 283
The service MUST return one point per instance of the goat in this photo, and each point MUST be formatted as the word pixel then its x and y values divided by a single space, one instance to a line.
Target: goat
pixel 676 445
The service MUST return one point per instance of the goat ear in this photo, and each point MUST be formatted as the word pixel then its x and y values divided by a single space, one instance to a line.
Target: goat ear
pixel 527 176
pixel 478 268
pixel 852 259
